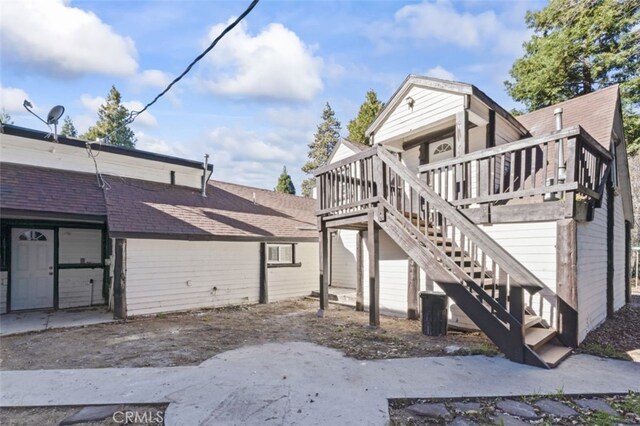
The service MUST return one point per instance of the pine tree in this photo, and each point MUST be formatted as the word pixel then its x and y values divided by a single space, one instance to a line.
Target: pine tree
pixel 369 110
pixel 68 129
pixel 324 140
pixel 285 184
pixel 112 120
pixel 5 117
pixel 579 46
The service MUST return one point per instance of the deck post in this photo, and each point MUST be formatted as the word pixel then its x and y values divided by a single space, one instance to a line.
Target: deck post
pixel 373 234
pixel 119 281
pixel 462 133
pixel 566 279
pixel 323 251
pixel 413 285
pixel 359 273
pixel 264 275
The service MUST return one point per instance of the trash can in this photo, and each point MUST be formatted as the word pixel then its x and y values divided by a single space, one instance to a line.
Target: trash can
pixel 434 313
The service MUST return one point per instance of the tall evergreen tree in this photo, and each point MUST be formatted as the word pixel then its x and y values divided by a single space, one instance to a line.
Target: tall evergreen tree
pixel 369 110
pixel 68 129
pixel 112 119
pixel 579 46
pixel 285 184
pixel 324 140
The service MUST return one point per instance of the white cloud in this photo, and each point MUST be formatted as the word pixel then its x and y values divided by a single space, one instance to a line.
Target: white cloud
pixel 273 64
pixel 153 78
pixel 441 22
pixel 12 98
pixel 92 103
pixel 150 143
pixel 63 40
pixel 439 72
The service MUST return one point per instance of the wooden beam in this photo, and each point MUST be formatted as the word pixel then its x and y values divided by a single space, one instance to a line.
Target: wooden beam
pixel 610 245
pixel 119 281
pixel 323 251
pixel 413 286
pixel 491 129
pixel 359 273
pixel 373 235
pixel 264 275
pixel 566 281
pixel 462 133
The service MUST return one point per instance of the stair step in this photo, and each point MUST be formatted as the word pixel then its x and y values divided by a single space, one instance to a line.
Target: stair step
pixel 531 320
pixel 553 355
pixel 536 337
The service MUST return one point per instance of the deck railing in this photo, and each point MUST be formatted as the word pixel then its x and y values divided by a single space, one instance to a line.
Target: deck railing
pixel 525 169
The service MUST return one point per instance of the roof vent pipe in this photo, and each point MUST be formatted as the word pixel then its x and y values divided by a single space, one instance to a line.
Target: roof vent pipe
pixel 205 178
pixel 562 167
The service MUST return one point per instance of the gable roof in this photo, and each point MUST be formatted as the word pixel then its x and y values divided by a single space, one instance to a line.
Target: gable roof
pixel 355 147
pixel 442 85
pixel 595 112
pixel 142 209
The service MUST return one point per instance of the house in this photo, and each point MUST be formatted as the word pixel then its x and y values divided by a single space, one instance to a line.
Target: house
pixel 523 222
pixel 88 224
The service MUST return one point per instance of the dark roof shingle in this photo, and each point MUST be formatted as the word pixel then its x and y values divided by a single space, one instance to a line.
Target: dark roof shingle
pixel 595 112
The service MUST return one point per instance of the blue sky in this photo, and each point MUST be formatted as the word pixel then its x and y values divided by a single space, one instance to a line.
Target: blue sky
pixel 254 102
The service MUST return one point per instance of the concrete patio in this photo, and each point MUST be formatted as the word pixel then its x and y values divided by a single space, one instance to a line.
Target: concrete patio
pixel 24 322
pixel 303 383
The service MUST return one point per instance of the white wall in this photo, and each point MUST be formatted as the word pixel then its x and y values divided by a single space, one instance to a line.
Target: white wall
pixel 165 275
pixel 592 271
pixel 300 281
pixel 4 285
pixel 49 154
pixel 430 107
pixel 75 288
pixel 343 259
pixel 342 152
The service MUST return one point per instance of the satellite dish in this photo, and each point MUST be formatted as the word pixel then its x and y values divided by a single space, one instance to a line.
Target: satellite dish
pixel 55 114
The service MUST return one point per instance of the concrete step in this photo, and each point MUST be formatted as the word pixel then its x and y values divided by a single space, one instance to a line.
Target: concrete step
pixel 553 355
pixel 536 337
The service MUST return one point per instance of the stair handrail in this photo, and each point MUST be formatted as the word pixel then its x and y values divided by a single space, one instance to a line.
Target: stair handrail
pixel 522 277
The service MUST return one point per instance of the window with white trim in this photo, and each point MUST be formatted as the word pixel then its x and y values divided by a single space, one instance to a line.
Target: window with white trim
pixel 280 253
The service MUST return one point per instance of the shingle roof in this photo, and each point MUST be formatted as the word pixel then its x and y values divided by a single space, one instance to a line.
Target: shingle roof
pixel 141 208
pixel 49 191
pixel 594 112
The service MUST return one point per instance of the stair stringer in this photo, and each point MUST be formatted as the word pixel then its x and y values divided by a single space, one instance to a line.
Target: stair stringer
pixel 507 335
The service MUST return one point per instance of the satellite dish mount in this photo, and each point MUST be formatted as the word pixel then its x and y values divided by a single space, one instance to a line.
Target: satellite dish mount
pixel 52 118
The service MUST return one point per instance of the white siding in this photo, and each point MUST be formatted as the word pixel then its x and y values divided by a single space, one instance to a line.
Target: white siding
pixel 342 152
pixel 619 264
pixel 592 271
pixel 76 245
pixel 164 275
pixel 300 281
pixel 430 107
pixel 75 287
pixel 58 156
pixel 343 259
pixel 4 284
pixel 534 245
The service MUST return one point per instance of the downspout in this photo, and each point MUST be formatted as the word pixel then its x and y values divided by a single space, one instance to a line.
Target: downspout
pixel 205 178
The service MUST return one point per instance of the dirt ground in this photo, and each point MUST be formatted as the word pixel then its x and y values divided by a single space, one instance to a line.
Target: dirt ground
pixel 190 338
pixel 52 416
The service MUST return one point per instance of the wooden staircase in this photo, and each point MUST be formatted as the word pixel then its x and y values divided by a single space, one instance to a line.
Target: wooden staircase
pixel 486 282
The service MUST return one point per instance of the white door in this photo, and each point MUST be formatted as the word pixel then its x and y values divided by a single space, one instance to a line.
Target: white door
pixel 31 268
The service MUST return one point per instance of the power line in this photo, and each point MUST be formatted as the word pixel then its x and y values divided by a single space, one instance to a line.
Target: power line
pixel 231 26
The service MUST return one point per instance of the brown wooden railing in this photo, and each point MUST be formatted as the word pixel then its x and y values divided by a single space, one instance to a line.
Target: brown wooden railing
pixel 525 169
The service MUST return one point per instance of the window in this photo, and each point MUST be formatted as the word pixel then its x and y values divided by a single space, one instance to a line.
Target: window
pixel 442 148
pixel 279 255
pixel 32 236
